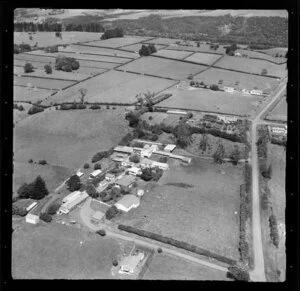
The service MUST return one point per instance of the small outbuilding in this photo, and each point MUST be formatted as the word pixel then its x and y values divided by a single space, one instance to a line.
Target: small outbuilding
pixel 128 202
pixel 129 264
pixel 97 217
pixel 170 147
pixel 95 173
pixel 31 218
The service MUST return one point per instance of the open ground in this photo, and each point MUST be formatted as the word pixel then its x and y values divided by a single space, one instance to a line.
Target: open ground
pixel 28 94
pixel 279 112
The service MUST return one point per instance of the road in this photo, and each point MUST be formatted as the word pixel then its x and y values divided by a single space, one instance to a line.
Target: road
pixel 258 273
pixel 86 212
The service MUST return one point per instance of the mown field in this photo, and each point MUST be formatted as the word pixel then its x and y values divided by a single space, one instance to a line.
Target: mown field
pixel 53 251
pixel 279 112
pixel 113 86
pixel 214 101
pixel 49 38
pixel 204 48
pixel 42 83
pixel 68 138
pixel 252 66
pixel 118 41
pixel 20 115
pixel 86 49
pixel 265 56
pixel 163 68
pixel 195 204
pixel 230 78
pixel 27 94
pixel 137 47
pixel 168 267
pixel 172 54
pixel 203 58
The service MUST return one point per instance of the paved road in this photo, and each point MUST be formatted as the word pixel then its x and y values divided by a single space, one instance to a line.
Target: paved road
pixel 258 274
pixel 86 212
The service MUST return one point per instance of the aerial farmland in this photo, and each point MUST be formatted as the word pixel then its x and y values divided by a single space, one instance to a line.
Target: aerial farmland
pixel 141 145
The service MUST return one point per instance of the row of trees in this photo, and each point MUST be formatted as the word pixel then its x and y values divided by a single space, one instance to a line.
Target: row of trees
pixel 23 47
pixel 113 32
pixel 66 64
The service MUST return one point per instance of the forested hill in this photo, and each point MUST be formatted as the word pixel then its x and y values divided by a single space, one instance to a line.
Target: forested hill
pixel 264 31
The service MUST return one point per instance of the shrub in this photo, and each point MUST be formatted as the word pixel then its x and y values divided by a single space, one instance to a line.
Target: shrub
pixel 81 106
pixel 150 118
pixel 214 87
pixel 28 68
pixel 16 49
pixel 274 230
pixel 99 156
pixel 144 51
pixel 21 108
pixel 138 144
pixel 24 47
pixel 101 232
pixel 238 273
pixel 115 263
pixel 190 77
pixel 53 208
pixel 113 32
pixel 111 212
pixel 86 166
pixel 163 159
pixel 48 69
pixel 51 49
pixel 192 83
pixel 30 161
pixel 45 217
pixel 107 107
pixel 114 108
pixel 42 162
pixel 21 211
pixel 91 191
pixel 95 106
pixel 159 250
pixel 97 166
pixel 35 109
pixel 134 158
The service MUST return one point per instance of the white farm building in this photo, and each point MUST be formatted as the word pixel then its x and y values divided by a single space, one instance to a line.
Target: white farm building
pixel 128 202
pixel 72 201
pixel 31 218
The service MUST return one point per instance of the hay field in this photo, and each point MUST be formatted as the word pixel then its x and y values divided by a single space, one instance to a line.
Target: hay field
pixel 42 83
pixel 53 251
pixel 172 54
pixel 202 58
pixel 68 138
pixel 113 86
pixel 245 81
pixel 252 66
pixel 118 41
pixel 28 94
pixel 86 49
pixel 200 213
pixel 49 38
pixel 163 68
pixel 137 47
pixel 213 101
pixel 279 112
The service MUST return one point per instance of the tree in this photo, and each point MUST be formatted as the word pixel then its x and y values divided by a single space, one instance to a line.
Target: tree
pixel 24 191
pixel 39 189
pixel 48 69
pixel 214 87
pixel 16 49
pixel 58 34
pixel 144 51
pixel 115 193
pixel 264 72
pixel 238 273
pixel 91 191
pixel 198 43
pixel 152 48
pixel 134 158
pixel 219 154
pixel 146 174
pixel 53 208
pixel 83 92
pixel 74 183
pixel 45 217
pixel 28 68
pixel 149 100
pixel 268 172
pixel 86 166
pixel 97 166
pixel 133 118
pixel 190 77
pixel 66 64
pixel 111 212
pixel 42 162
pixel 21 211
pixel 235 155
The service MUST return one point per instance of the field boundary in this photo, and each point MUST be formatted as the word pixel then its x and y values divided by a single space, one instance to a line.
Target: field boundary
pixel 187 50
pixel 92 54
pixel 186 56
pixel 47 78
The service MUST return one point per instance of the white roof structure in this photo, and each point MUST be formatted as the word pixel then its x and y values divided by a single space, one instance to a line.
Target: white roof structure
pixel 128 202
pixel 125 180
pixel 123 149
pixel 79 174
pixel 95 173
pixel 98 215
pixel 66 207
pixel 150 163
pixel 129 264
pixel 71 196
pixel 31 218
pixel 170 147
pixel 33 204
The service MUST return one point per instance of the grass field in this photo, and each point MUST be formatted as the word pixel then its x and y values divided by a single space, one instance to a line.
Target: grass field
pixel 257 54
pixel 27 94
pixel 274 51
pixel 49 38
pixel 68 138
pixel 214 101
pixel 118 41
pixel 79 57
pixel 172 54
pixel 163 68
pixel 113 86
pixel 33 58
pixel 42 83
pixel 167 267
pixel 25 173
pixel 279 112
pixel 204 48
pixel 246 81
pixel 53 251
pixel 137 47
pixel 85 49
pixel 252 66
pixel 20 115
pixel 157 117
pixel 203 58
pixel 201 213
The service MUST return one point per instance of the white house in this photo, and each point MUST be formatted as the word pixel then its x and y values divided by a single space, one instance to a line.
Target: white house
pixel 237 54
pixel 228 89
pixel 71 196
pixel 31 218
pixel 169 147
pixel 95 173
pixel 129 264
pixel 128 202
pixel 256 92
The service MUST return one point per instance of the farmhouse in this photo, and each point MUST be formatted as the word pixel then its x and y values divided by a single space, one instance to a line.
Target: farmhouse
pixel 73 202
pixel 228 89
pixel 31 218
pixel 256 92
pixel 123 149
pixel 129 264
pixel 95 173
pixel 97 217
pixel 126 181
pixel 176 112
pixel 169 147
pixel 128 202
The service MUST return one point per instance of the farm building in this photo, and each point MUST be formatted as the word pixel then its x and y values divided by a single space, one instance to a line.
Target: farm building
pixel 147 152
pixel 126 181
pixel 128 202
pixel 169 147
pixel 135 171
pixel 256 92
pixel 147 142
pixel 123 149
pixel 97 217
pixel 31 218
pixel 236 54
pixel 109 176
pixel 71 196
pixel 95 173
pixel 80 174
pixel 245 91
pixel 129 264
pixel 140 192
pixel 70 204
pixel 32 205
pixel 280 130
pixel 176 112
pixel 228 89
pixel 226 119
pixel 146 163
pixel 211 118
